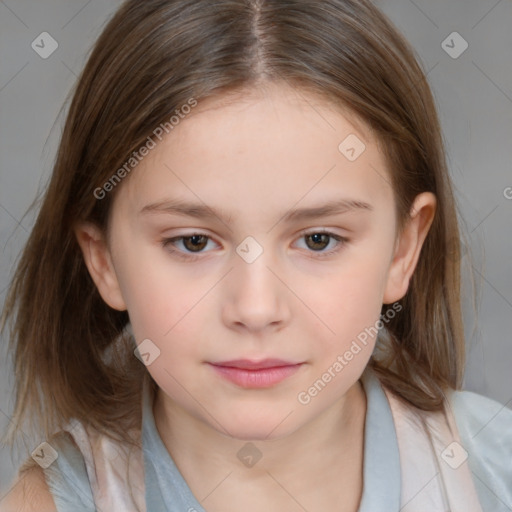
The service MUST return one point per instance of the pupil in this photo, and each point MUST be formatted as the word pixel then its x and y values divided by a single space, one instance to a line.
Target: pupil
pixel 319 238
pixel 194 239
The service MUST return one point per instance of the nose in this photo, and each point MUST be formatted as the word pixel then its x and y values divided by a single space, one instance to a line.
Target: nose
pixel 256 299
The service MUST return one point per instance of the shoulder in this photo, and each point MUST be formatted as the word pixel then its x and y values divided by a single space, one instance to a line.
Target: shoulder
pixel 61 486
pixel 30 493
pixel 485 430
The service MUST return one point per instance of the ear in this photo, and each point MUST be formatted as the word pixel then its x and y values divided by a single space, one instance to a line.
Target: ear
pixel 99 263
pixel 408 247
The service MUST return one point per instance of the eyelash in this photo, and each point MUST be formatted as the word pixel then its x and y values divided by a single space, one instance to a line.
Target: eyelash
pixel 342 241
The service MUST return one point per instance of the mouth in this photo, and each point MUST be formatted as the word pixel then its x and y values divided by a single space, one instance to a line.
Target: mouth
pixel 255 374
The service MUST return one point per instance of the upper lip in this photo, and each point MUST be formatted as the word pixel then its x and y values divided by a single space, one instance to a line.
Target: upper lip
pixel 247 364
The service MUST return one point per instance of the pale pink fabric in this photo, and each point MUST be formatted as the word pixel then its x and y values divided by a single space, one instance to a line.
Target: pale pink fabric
pixel 116 472
pixel 429 482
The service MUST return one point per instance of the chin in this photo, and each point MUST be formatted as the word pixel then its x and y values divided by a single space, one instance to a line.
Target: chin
pixel 250 433
pixel 252 428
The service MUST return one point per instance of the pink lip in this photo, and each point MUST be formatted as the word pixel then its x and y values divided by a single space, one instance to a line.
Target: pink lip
pixel 255 374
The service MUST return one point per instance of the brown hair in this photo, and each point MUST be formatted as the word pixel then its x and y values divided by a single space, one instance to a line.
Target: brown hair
pixel 150 59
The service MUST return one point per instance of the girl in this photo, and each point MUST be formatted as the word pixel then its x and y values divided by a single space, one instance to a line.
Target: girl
pixel 242 288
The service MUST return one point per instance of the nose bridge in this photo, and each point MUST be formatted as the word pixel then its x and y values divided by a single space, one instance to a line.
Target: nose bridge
pixel 256 296
pixel 252 267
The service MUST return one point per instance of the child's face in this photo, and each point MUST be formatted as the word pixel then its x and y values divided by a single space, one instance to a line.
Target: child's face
pixel 255 161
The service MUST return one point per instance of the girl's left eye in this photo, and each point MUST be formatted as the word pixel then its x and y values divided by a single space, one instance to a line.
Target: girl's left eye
pixel 321 239
pixel 317 241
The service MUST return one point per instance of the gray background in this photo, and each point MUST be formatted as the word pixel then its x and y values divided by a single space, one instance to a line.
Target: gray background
pixel 474 97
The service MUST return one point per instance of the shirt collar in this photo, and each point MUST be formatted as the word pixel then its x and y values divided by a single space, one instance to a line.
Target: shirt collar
pixel 381 485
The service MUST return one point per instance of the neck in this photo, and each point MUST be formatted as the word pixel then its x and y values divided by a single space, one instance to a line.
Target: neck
pixel 330 446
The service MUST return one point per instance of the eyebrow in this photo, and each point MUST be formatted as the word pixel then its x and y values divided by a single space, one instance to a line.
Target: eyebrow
pixel 201 211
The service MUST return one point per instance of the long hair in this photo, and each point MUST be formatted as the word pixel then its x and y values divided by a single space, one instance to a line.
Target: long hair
pixel 72 355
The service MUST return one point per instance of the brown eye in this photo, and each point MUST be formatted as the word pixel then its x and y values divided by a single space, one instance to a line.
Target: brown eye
pixel 195 243
pixel 322 244
pixel 189 247
pixel 319 241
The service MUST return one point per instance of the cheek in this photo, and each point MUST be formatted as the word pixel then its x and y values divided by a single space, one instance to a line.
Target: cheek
pixel 160 299
pixel 166 308
pixel 156 290
pixel 349 305
pixel 350 299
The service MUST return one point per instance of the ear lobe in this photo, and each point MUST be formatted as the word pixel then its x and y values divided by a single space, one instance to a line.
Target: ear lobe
pixel 99 263
pixel 408 247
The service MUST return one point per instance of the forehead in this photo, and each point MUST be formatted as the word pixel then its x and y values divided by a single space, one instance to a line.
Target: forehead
pixel 273 101
pixel 260 148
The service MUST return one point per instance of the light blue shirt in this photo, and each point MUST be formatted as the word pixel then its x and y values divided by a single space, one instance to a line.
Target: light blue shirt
pixel 485 429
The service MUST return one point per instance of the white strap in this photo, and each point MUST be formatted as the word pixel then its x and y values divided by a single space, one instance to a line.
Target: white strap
pixel 434 466
pixel 116 473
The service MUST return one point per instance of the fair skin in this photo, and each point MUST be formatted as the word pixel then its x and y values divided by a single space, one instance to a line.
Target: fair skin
pixel 29 494
pixel 257 157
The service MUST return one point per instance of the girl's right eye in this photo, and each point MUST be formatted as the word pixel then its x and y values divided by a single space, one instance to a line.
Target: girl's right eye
pixel 193 243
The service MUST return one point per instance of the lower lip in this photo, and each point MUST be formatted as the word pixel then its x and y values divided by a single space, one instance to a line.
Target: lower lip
pixel 253 379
